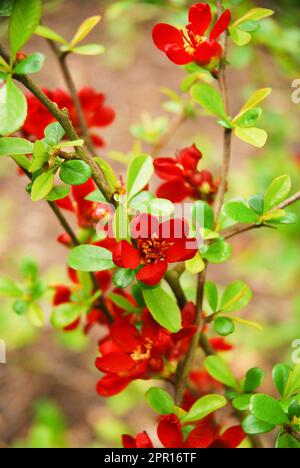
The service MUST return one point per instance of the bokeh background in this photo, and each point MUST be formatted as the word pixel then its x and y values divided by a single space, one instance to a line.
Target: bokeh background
pixel 47 387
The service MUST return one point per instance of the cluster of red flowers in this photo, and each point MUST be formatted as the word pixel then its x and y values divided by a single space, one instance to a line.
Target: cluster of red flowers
pixel 206 434
pixel 96 114
pixel 193 46
pixel 183 179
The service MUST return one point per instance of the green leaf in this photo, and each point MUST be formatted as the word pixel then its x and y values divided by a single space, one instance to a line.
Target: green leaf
pixel 224 326
pixel 163 308
pixel 217 252
pixel 257 97
pixel 280 375
pixel 256 203
pixel 40 156
pixel 20 307
pixel 204 406
pixel 277 192
pixel 29 269
pixel 210 99
pixel 239 211
pixel 254 136
pixel 236 296
pixel 195 265
pixel 84 29
pixel 9 288
pixel 161 207
pixel 212 295
pixel 239 37
pixel 123 278
pixel 294 410
pixel 255 14
pixel 15 146
pixel 36 315
pixel 89 49
pixel 123 303
pixel 293 383
pixel 6 7
pixel 160 400
pixel 254 378
pixel 242 402
pixel 23 22
pixel 96 196
pixel 249 118
pixel 90 258
pixel 53 134
pixel 48 33
pixel 254 426
pixel 75 172
pixel 202 215
pixel 287 441
pixel 220 371
pixel 31 64
pixel 139 173
pixel 108 172
pixel 42 186
pixel 65 314
pixel 267 409
pixel 58 193
pixel 13 108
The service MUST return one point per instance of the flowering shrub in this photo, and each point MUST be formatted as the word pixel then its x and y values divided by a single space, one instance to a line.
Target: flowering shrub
pixel 131 248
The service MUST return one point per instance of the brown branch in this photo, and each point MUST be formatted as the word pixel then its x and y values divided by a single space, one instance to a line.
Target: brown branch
pixel 63 118
pixel 62 61
pixel 172 278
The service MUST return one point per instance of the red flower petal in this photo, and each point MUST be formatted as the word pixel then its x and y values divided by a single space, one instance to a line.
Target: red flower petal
pixel 143 441
pixel 103 279
pixel 150 329
pixel 189 157
pixel 152 274
pixel 174 229
pixel 233 437
pixel 72 326
pixel 65 203
pixel 188 314
pixel 169 431
pixel 125 336
pixel 62 295
pixel 182 250
pixel 221 25
pixel 178 55
pixel 115 362
pixel 144 226
pixel 220 344
pixel 111 385
pixel 165 34
pixel 168 168
pixel 175 190
pixel 200 18
pixel 125 255
pixel 201 437
pixel 206 51
pixel 128 441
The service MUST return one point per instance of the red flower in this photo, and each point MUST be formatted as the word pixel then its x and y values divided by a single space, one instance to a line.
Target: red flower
pixel 193 46
pixel 220 344
pixel 95 112
pixel 183 178
pixel 158 245
pixel 141 441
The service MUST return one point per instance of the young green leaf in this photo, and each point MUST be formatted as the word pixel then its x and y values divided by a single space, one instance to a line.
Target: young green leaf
pixel 212 296
pixel 13 108
pixel 210 99
pixel 254 426
pixel 236 296
pixel 254 378
pixel 256 203
pixel 255 14
pixel 277 192
pixel 254 136
pixel 75 172
pixel 224 326
pixel 242 402
pixel 15 146
pixel 23 22
pixel 9 288
pixel 58 193
pixel 249 118
pixel 239 37
pixel 42 186
pixel 65 314
pixel 160 400
pixel 293 383
pixel 108 172
pixel 90 258
pixel 203 407
pixel 31 64
pixel 96 196
pixel 163 308
pixel 53 134
pixel 195 265
pixel 84 29
pixel 267 409
pixel 217 252
pixel 36 315
pixel 89 49
pixel 123 303
pixel 239 211
pixel 257 97
pixel 123 277
pixel 281 373
pixel 40 156
pixel 219 370
pixel 139 173
pixel 202 215
pixel 48 33
pixel 287 441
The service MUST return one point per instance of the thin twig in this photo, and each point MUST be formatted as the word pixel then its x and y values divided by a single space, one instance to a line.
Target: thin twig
pixel 166 137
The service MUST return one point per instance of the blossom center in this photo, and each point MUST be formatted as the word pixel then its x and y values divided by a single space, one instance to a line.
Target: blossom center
pixel 142 353
pixel 154 250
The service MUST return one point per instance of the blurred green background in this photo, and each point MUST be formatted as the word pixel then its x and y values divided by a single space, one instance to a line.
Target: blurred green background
pixel 47 387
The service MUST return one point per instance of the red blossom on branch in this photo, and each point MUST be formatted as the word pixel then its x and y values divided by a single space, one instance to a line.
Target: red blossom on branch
pixel 194 45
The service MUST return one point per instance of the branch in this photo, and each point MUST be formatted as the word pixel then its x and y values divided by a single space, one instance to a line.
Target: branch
pixel 61 58
pixel 63 118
